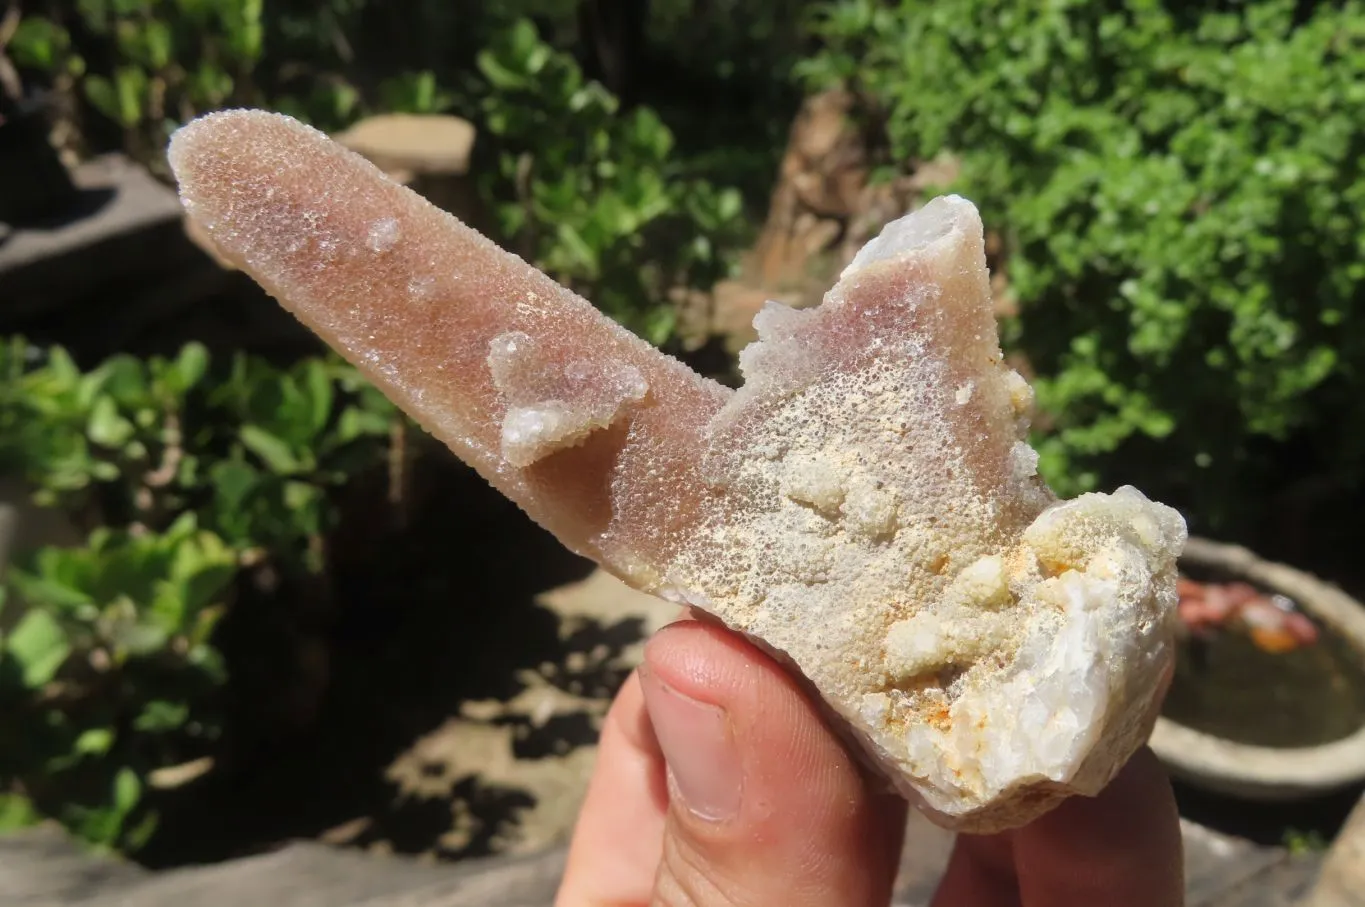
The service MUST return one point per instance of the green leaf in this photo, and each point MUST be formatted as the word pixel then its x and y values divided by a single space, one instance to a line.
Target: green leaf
pixel 156 42
pixel 580 251
pixel 210 85
pixel 107 427
pixel 501 76
pixel 195 10
pixel 54 585
pixel 275 452
pixel 659 325
pixel 209 660
pixel 203 569
pixel 95 741
pixel 40 646
pixel 39 43
pixel 136 639
pixel 96 826
pixel 190 366
pixel 127 791
pixel 204 624
pixel 62 367
pixel 164 618
pixel 17 812
pixel 125 380
pixel 160 716
pixel 317 386
pixel 100 92
pixel 135 838
pixel 233 481
pixel 244 29
pixel 359 423
pixel 131 86
pixel 306 505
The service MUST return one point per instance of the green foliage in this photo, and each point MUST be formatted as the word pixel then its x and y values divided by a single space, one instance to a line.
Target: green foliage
pixel 298 433
pixel 128 594
pixel 1304 843
pixel 596 195
pixel 253 451
pixel 150 65
pixel 171 58
pixel 102 675
pixel 1180 188
pixel 41 44
pixel 414 92
pixel 107 663
pixel 593 194
pixel 119 426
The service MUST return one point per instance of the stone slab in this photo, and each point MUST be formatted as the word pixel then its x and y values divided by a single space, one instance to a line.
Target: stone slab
pixel 414 143
pixel 1215 863
pixel 44 869
pixel 1284 884
pixel 126 225
pixel 314 875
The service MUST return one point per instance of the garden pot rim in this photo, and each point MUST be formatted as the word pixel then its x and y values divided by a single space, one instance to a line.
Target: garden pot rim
pixel 1260 772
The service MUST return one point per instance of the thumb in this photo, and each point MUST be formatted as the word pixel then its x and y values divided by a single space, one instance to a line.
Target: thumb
pixel 765 805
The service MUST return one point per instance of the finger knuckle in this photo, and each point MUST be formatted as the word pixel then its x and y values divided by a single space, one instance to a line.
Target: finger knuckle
pixel 687 879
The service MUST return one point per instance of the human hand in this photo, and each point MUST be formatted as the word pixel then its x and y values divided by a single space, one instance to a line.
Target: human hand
pixel 718 784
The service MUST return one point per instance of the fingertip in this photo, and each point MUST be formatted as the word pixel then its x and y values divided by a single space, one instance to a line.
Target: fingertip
pixel 708 662
pixel 704 683
pixel 704 659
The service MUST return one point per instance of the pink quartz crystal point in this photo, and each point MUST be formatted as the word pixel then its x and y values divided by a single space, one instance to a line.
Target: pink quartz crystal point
pixel 866 506
pixel 550 401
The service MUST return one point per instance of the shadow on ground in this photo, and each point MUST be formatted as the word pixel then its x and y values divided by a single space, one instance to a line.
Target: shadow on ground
pixel 1316 819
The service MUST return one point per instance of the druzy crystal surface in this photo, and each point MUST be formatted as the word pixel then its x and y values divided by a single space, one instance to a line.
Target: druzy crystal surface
pixel 865 506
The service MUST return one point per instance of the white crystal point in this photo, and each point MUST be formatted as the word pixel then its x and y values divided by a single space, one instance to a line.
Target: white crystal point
pixel 879 520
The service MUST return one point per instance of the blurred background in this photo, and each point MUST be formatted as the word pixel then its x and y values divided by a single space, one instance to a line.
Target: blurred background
pixel 246 602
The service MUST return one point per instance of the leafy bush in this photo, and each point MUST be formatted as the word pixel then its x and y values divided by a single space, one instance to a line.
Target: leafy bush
pixel 170 58
pixel 103 677
pixel 1180 188
pixel 150 65
pixel 107 664
pixel 591 193
pixel 292 437
pixel 253 449
pixel 118 427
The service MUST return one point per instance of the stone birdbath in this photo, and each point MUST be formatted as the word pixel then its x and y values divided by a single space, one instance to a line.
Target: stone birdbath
pixel 1268 701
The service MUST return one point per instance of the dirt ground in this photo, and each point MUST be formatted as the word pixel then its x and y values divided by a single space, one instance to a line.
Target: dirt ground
pixel 541 742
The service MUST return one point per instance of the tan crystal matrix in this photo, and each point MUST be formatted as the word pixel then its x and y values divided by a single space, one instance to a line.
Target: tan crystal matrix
pixel 865 506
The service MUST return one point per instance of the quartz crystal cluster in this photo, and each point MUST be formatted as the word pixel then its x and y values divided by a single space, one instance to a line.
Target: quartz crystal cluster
pixel 865 506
